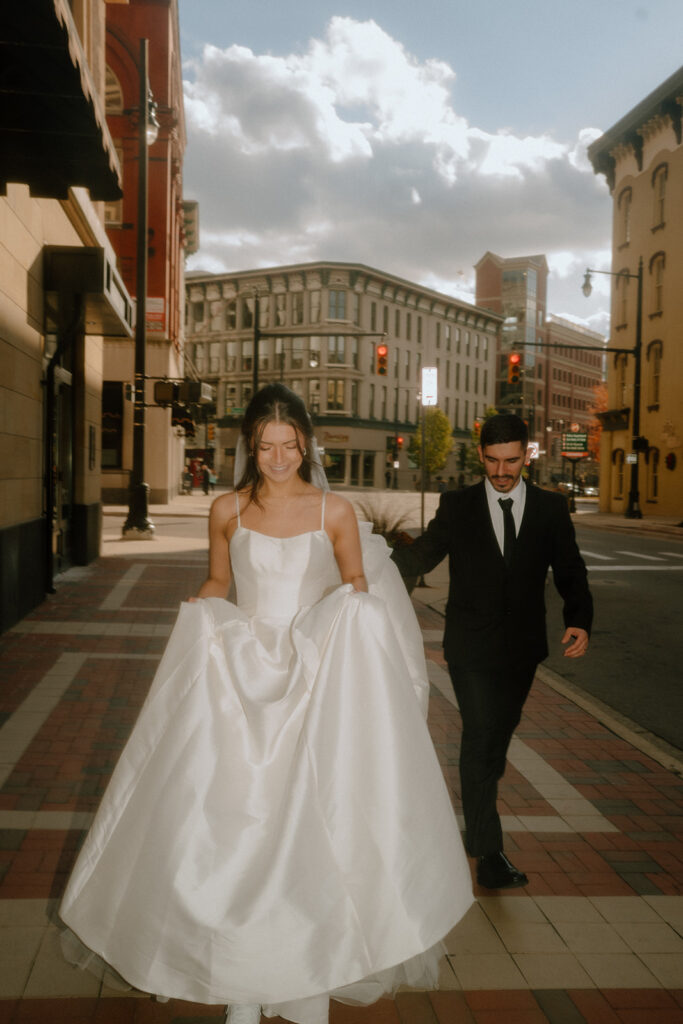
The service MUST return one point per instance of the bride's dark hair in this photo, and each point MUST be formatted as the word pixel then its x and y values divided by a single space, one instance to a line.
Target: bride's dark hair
pixel 274 403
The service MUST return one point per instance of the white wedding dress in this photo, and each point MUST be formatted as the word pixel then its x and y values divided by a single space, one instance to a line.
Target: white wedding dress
pixel 277 829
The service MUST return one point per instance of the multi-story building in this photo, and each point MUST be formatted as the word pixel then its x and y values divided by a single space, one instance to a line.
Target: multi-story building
pixel 641 157
pixel 60 292
pixel 574 370
pixel 127 24
pixel 559 373
pixel 319 327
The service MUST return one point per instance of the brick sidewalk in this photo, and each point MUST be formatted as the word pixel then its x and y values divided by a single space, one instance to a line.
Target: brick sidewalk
pixel 595 823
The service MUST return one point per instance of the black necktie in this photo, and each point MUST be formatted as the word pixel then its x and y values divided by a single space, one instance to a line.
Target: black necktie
pixel 509 524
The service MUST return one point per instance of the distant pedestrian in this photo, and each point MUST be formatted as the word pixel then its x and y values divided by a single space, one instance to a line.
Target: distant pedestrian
pixel 206 478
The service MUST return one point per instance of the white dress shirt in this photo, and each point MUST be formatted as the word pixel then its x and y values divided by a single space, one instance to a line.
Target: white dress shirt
pixel 518 495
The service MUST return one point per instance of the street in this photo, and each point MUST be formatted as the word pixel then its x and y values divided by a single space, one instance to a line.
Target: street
pixel 636 651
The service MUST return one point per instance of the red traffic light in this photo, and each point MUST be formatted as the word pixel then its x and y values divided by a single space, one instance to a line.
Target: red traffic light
pixel 514 367
pixel 399 442
pixel 382 360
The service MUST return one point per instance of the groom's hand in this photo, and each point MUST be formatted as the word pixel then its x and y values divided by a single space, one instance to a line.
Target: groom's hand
pixel 577 640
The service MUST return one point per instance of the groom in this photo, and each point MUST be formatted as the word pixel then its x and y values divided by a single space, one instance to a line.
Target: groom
pixel 501 536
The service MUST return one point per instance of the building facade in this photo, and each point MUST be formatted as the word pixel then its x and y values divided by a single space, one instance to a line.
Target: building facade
pixel 61 294
pixel 559 373
pixel 318 330
pixel 641 157
pixel 127 24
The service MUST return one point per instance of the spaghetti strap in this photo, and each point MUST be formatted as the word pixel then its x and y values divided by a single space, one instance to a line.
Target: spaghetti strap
pixel 322 514
pixel 237 507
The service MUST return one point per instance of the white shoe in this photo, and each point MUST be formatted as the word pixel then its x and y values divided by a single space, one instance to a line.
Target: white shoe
pixel 243 1013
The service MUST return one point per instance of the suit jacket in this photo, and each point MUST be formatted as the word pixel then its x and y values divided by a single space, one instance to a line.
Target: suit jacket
pixel 495 615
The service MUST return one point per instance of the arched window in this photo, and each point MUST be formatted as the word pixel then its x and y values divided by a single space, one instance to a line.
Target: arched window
pixel 618 472
pixel 652 459
pixel 113 102
pixel 654 358
pixel 621 288
pixel 657 264
pixel 659 176
pixel 620 374
pixel 624 207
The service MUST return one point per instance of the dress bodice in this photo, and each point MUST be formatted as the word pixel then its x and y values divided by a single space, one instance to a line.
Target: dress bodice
pixel 276 576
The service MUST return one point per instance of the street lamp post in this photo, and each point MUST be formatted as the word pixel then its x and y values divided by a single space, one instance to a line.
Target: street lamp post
pixel 138 524
pixel 633 510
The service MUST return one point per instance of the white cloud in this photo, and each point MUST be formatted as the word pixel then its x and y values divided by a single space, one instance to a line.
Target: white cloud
pixel 352 149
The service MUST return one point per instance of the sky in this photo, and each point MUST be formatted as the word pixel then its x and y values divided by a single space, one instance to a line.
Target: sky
pixel 415 135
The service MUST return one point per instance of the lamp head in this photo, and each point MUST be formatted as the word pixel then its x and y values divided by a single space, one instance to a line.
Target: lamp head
pixel 587 287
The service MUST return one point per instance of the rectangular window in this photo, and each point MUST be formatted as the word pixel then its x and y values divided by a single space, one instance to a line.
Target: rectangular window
pixel 214 357
pixel 314 352
pixel 231 358
pixel 230 398
pixel 457 375
pixel 373 316
pixel 467 343
pixel 409 326
pixel 457 340
pixel 448 337
pixel 335 395
pixel 407 365
pixel 314 303
pixel 112 424
pixel 385 320
pixel 419 330
pixel 247 355
pixel 467 377
pixel 314 395
pixel 354 397
pixel 383 413
pixel 298 351
pixel 371 408
pixel 297 308
pixel 355 307
pixel 335 350
pixel 438 335
pixel 397 323
pixel 476 380
pixel 448 373
pixel 336 305
pixel 353 345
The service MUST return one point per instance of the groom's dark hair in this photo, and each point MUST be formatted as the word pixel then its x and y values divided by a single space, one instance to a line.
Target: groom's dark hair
pixel 502 429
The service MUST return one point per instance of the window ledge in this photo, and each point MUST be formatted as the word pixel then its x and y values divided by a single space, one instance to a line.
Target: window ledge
pixel 658 227
pixel 654 407
pixel 654 316
pixel 624 245
pixel 621 327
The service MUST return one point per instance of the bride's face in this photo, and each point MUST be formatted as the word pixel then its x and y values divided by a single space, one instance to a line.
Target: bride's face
pixel 278 455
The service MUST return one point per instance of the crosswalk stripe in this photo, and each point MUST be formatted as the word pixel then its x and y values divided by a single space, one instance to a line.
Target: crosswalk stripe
pixel 595 554
pixel 637 554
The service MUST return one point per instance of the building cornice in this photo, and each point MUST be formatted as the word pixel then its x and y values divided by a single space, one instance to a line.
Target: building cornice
pixel 666 102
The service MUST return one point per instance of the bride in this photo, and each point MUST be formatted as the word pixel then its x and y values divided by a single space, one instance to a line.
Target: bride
pixel 277 831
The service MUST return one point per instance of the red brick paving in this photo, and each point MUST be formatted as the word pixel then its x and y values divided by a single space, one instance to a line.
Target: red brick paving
pixel 68 763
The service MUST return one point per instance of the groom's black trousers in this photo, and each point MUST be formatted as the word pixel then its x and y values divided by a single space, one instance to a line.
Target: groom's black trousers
pixel 490 705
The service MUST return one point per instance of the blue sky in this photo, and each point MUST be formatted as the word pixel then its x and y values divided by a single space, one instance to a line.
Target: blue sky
pixel 414 136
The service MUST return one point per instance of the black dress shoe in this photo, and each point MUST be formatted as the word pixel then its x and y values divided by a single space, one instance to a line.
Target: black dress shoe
pixel 494 871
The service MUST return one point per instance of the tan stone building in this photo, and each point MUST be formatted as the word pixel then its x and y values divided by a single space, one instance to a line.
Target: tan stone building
pixel 60 291
pixel 641 157
pixel 320 324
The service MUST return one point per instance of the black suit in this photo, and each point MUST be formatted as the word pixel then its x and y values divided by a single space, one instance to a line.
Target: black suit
pixel 495 631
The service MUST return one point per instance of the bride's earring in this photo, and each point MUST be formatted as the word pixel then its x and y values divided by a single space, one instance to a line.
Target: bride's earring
pixel 303 452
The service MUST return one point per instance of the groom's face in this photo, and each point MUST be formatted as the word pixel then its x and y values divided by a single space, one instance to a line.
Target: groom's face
pixel 503 464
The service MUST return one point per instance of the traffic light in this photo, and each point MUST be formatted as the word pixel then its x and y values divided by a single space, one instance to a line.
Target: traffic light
pixel 514 367
pixel 399 442
pixel 477 428
pixel 210 431
pixel 382 360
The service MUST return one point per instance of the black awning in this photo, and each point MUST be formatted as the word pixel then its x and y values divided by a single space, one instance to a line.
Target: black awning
pixel 53 131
